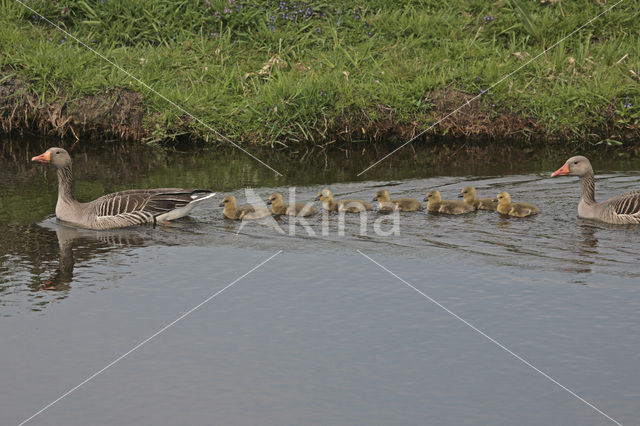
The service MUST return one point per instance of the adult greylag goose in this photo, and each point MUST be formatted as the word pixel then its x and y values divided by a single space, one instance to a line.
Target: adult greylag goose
pixel 436 204
pixel 623 209
pixel 401 204
pixel 119 209
pixel 471 198
pixel 231 211
pixel 351 205
pixel 278 207
pixel 506 207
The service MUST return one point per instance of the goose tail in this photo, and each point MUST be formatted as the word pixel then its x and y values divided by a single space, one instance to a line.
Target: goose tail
pixel 198 195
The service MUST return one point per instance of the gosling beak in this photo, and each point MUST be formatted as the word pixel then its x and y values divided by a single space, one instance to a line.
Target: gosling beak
pixel 495 200
pixel 43 158
pixel 268 202
pixel 460 196
pixel 221 204
pixel 375 199
pixel 317 198
pixel 562 171
pixel 426 199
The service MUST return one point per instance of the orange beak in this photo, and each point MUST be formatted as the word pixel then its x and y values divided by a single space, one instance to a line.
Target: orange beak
pixel 562 171
pixel 43 158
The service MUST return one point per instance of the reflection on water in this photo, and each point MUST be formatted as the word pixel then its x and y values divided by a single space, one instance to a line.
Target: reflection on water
pixel 43 256
pixel 42 259
pixel 85 244
pixel 63 276
pixel 319 333
pixel 553 241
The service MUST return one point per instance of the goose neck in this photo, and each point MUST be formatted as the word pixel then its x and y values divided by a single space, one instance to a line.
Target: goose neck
pixel 588 188
pixel 65 180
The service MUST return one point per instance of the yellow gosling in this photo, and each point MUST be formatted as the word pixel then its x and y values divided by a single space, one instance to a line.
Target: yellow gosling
pixel 348 205
pixel 401 204
pixel 231 211
pixel 506 207
pixel 278 207
pixel 470 197
pixel 436 204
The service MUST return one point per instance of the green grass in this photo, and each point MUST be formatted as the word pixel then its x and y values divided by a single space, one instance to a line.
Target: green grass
pixel 261 78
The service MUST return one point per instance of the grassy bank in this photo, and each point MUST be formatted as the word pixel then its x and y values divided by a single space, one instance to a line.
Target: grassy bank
pixel 294 73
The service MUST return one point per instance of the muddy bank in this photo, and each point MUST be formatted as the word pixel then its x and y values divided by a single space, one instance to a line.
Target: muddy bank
pixel 115 113
pixel 119 113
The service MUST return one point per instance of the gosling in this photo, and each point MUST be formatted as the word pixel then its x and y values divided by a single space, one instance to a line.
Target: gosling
pixel 506 207
pixel 436 204
pixel 347 206
pixel 230 210
pixel 401 204
pixel 297 209
pixel 470 197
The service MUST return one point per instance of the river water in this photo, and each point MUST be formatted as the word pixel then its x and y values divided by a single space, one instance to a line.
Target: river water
pixel 482 320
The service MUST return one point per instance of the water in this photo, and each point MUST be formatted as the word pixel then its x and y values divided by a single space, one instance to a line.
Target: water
pixel 319 334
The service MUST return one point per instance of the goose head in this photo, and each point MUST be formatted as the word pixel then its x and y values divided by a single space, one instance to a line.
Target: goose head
pixel 433 196
pixel 382 196
pixel 275 199
pixel 503 198
pixel 228 202
pixel 59 157
pixel 468 193
pixel 325 195
pixel 575 166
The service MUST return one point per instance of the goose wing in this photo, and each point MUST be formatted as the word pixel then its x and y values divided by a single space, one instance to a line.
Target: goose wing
pixel 135 207
pixel 625 207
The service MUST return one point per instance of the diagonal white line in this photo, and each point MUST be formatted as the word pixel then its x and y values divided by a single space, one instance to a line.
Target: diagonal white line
pixel 190 311
pixel 215 132
pixel 490 87
pixel 500 345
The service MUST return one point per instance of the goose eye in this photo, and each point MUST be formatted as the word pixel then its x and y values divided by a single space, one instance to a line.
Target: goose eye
pixel 575 162
pixel 57 152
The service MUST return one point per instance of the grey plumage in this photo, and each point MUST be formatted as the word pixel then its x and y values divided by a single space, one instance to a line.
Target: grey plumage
pixel 622 209
pixel 119 209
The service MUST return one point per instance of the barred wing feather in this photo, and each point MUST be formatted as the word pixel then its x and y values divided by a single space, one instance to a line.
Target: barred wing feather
pixel 135 207
pixel 626 207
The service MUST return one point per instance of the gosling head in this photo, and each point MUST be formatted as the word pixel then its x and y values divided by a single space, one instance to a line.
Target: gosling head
pixel 275 199
pixel 59 157
pixel 382 196
pixel 575 166
pixel 468 193
pixel 324 195
pixel 433 196
pixel 503 198
pixel 228 202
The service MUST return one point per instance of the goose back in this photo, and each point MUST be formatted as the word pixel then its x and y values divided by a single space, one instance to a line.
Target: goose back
pixel 623 209
pixel 135 207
